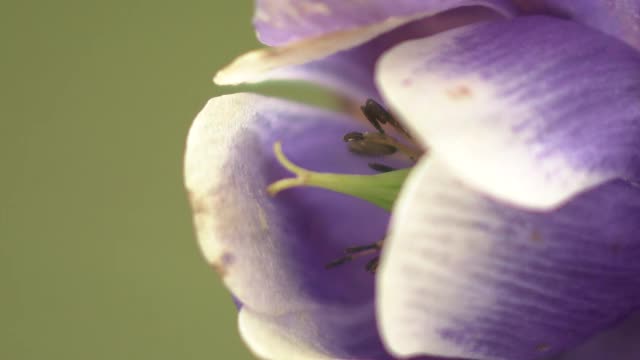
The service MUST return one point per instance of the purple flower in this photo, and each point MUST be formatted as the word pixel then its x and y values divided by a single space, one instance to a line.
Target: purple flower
pixel 516 237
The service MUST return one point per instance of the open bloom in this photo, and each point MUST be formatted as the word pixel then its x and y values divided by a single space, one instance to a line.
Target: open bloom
pixel 516 237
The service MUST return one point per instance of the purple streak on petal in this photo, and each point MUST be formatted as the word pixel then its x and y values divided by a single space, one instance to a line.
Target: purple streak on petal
pixel 547 107
pixel 463 275
pixel 351 72
pixel 237 303
pixel 279 22
pixel 588 93
pixel 620 18
pixel 271 252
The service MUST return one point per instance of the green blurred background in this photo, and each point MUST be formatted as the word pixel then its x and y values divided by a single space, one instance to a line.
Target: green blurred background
pixel 97 254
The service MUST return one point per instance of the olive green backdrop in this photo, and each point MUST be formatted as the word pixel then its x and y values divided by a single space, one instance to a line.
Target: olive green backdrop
pixel 97 254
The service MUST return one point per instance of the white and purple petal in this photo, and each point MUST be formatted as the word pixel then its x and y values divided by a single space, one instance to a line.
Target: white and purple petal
pixel 351 72
pixel 465 276
pixel 532 110
pixel 321 333
pixel 280 22
pixel 271 252
pixel 343 60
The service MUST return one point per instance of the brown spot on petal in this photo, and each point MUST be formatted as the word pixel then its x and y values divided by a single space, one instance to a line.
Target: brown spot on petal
pixel 543 347
pixel 219 269
pixel 221 265
pixel 460 93
pixel 407 82
pixel 536 236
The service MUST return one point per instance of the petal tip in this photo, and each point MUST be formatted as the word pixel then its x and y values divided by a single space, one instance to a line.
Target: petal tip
pixel 244 69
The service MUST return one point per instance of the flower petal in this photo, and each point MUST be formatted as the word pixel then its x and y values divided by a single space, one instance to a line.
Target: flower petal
pixel 269 339
pixel 531 111
pixel 293 336
pixel 463 275
pixel 271 252
pixel 281 22
pixel 320 334
pixel 263 64
pixel 351 72
pixel 620 18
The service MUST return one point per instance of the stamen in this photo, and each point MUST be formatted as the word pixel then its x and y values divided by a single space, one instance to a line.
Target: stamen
pixel 353 136
pixel 377 144
pixel 362 144
pixel 380 167
pixel 358 251
pixel 372 265
pixel 377 114
pixel 380 189
pixel 341 261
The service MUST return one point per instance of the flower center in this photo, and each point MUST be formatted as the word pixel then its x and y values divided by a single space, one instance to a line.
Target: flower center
pixel 381 189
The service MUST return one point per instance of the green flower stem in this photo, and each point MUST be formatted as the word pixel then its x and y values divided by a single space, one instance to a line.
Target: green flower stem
pixel 380 190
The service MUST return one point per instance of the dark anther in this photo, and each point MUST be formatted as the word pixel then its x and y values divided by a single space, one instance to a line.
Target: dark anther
pixel 377 114
pixel 357 251
pixel 369 144
pixel 371 149
pixel 380 167
pixel 338 262
pixel 372 265
pixel 353 136
pixel 376 143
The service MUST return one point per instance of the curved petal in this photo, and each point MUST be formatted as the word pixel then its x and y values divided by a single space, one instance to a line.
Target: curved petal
pixel 530 111
pixel 619 343
pixel 271 252
pixel 293 337
pixel 351 72
pixel 320 334
pixel 463 275
pixel 270 339
pixel 281 22
pixel 264 64
pixel 620 18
